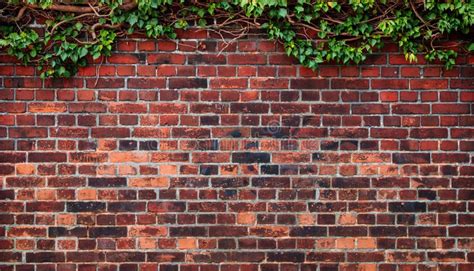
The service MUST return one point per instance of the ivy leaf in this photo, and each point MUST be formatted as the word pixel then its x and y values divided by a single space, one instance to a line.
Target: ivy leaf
pixel 82 52
pixel 96 55
pixel 132 19
pixel 282 12
pixel 78 26
pixel 471 47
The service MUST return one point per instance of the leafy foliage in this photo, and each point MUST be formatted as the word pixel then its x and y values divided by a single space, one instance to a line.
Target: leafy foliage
pixel 312 31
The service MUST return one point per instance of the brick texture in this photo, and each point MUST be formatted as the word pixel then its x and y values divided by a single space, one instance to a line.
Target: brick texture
pixel 206 156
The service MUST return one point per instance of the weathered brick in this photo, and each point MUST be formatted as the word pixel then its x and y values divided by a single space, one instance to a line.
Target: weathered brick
pixel 47 157
pixel 271 182
pixel 309 83
pixel 107 182
pixel 178 83
pixel 45 206
pixel 349 83
pixel 309 231
pixel 407 207
pixel 249 108
pixel 165 207
pixel 100 232
pixel 90 206
pixel 45 257
pixel 411 158
pixel 250 157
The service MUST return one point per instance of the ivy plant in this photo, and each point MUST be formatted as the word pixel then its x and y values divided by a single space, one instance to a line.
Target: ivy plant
pixel 59 37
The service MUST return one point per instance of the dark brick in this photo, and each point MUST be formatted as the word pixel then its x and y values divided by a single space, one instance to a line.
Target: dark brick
pixel 295 257
pixel 269 169
pixel 308 231
pixel 148 145
pixel 127 145
pixel 90 206
pixel 107 182
pixel 309 83
pixel 99 232
pixel 250 157
pixel 411 158
pixel 230 182
pixel 47 157
pixel 67 232
pixel 121 207
pixel 407 207
pixel 190 83
pixel 45 257
pixel 187 231
pixel 281 182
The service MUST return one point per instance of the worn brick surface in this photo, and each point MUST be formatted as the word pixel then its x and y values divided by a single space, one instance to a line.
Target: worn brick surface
pixel 175 156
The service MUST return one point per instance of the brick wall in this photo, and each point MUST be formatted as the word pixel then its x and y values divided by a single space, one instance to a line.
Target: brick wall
pixel 174 157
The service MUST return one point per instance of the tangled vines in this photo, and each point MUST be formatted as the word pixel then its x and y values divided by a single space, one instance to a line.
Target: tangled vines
pixel 58 36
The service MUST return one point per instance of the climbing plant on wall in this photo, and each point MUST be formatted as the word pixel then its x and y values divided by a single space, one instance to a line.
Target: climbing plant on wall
pixel 58 36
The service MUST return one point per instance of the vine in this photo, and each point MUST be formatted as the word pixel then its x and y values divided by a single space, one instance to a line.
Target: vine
pixel 59 36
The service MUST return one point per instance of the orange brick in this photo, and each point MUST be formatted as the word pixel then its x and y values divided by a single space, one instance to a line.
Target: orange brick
pixel 25 244
pixel 106 170
pixel 46 194
pixel 87 194
pixel 25 169
pixel 149 182
pixel 345 243
pixel 246 218
pixel 128 157
pixel 368 170
pixel 366 243
pixel 127 170
pixel 65 219
pixel 187 243
pixel 306 219
pixel 347 219
pixel 168 169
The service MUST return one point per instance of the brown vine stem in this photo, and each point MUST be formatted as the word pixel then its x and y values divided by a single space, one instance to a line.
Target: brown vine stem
pixel 110 26
pixel 11 19
pixel 68 20
pixel 64 8
pixel 425 23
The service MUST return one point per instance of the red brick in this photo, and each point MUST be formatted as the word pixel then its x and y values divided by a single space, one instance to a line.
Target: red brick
pixel 411 109
pixel 105 83
pixel 234 83
pixel 428 84
pixel 146 83
pixel 389 84
pixel 166 58
pixel 246 59
pixel 123 59
pixel 349 84
pixel 267 83
pixel 451 109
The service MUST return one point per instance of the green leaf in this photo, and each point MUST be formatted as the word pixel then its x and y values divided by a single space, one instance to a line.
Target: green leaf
pixel 282 12
pixel 96 55
pixel 132 19
pixel 471 47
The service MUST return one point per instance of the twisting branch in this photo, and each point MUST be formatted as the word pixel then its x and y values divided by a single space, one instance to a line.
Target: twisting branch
pixel 99 25
pixel 64 8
